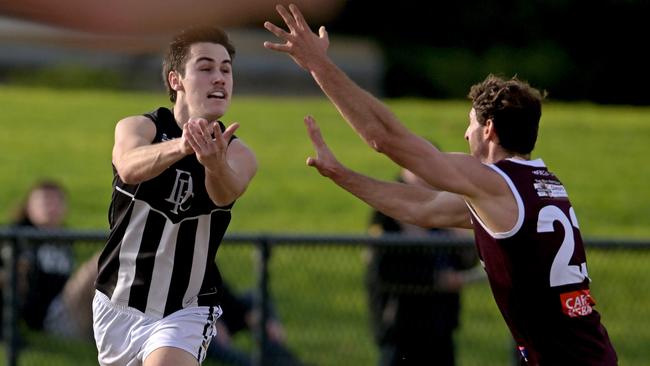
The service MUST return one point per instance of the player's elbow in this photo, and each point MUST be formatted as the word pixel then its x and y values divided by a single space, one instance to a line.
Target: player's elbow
pixel 417 214
pixel 387 139
pixel 409 214
pixel 129 176
pixel 379 141
pixel 417 220
pixel 130 179
pixel 225 197
pixel 223 200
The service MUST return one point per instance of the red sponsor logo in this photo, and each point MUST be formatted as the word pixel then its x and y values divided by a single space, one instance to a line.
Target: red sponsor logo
pixel 577 303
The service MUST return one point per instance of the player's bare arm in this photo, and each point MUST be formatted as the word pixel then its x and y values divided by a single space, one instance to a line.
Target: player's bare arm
pixel 229 168
pixel 379 127
pixel 136 158
pixel 405 202
pixel 366 115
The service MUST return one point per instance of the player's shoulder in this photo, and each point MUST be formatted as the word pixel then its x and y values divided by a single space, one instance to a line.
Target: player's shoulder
pixel 135 121
pixel 151 117
pixel 138 125
pixel 160 113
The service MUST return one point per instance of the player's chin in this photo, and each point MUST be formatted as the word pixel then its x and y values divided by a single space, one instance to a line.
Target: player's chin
pixel 216 110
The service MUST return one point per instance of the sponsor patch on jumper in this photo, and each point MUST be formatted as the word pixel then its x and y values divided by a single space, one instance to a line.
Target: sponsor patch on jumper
pixel 549 188
pixel 542 172
pixel 577 303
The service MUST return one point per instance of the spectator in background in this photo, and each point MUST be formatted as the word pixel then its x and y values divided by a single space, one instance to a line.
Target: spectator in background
pixel 240 315
pixel 413 292
pixel 47 297
pixel 43 268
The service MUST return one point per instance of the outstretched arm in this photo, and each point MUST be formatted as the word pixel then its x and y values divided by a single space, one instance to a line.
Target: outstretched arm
pixel 368 116
pixel 460 174
pixel 405 202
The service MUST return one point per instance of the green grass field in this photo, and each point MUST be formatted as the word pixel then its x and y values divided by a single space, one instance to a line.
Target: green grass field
pixel 598 151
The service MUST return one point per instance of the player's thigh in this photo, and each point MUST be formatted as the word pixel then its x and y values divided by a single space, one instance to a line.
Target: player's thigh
pixel 170 356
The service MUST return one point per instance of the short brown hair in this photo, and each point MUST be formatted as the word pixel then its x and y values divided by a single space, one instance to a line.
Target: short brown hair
pixel 177 52
pixel 514 107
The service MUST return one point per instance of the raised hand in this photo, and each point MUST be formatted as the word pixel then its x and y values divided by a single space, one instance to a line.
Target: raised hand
pixel 325 161
pixel 207 140
pixel 304 46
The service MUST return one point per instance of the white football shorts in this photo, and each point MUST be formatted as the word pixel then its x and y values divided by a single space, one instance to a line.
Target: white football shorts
pixel 126 336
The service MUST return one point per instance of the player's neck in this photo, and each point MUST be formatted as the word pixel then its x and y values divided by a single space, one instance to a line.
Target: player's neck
pixel 498 154
pixel 181 114
pixel 520 157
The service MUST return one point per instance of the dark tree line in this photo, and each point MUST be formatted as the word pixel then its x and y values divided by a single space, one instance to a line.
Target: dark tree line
pixel 576 50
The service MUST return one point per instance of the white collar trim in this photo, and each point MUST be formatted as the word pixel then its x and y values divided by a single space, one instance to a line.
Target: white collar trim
pixel 537 163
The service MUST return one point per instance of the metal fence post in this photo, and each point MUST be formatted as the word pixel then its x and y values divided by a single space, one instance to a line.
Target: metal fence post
pixel 9 313
pixel 262 300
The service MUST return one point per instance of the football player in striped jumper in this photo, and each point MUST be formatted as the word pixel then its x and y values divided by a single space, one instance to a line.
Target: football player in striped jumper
pixel 177 173
pixel 526 230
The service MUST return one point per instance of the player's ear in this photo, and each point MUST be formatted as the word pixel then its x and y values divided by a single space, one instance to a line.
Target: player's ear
pixel 489 132
pixel 174 80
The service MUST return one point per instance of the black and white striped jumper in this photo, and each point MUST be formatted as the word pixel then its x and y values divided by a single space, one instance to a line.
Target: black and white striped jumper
pixel 165 232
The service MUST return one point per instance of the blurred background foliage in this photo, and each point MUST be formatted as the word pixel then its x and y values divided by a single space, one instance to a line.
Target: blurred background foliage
pixel 577 50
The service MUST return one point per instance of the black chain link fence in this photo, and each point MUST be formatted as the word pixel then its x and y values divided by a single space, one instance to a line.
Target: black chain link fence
pixel 335 299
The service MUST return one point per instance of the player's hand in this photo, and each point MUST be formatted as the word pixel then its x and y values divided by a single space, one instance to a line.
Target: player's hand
pixel 325 161
pixel 207 140
pixel 304 46
pixel 185 145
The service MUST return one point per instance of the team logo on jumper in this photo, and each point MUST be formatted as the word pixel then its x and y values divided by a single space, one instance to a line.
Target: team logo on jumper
pixel 182 191
pixel 549 188
pixel 577 303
